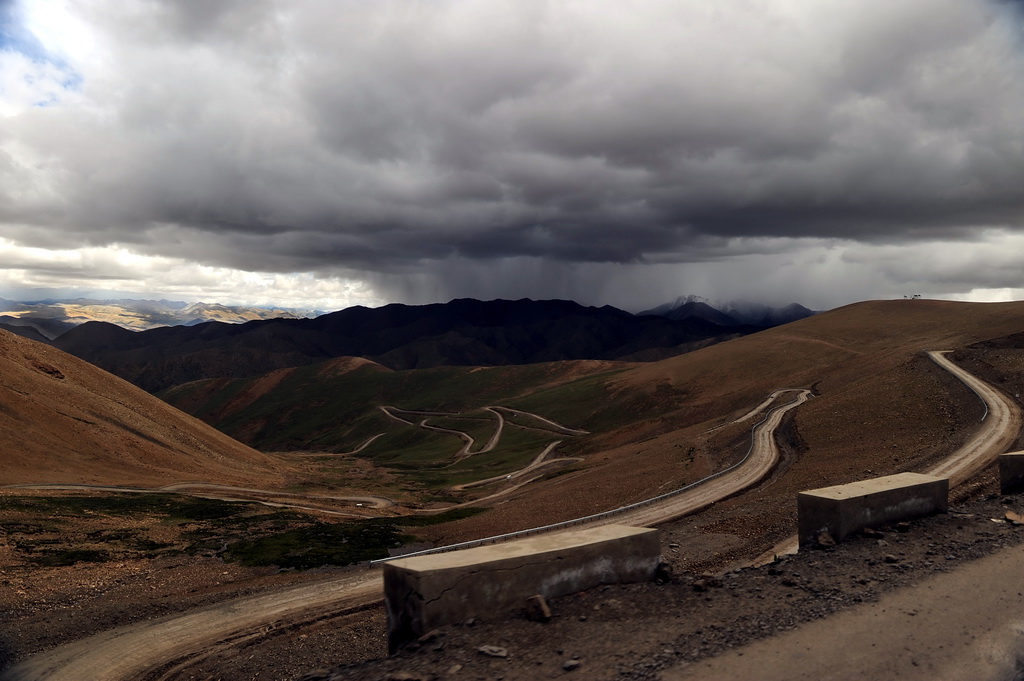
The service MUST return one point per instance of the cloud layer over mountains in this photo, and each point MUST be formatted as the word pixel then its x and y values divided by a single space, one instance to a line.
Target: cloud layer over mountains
pixel 423 150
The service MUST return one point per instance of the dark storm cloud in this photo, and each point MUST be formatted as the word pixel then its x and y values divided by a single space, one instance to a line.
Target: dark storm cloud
pixel 375 136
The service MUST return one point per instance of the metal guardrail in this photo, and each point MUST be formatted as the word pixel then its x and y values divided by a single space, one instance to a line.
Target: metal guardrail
pixel 585 519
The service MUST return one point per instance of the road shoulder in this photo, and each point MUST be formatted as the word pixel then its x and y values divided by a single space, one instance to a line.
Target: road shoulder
pixel 966 624
pixel 641 631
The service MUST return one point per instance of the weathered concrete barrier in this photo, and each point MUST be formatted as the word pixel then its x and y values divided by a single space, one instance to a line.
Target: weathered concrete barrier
pixel 1011 472
pixel 424 592
pixel 842 510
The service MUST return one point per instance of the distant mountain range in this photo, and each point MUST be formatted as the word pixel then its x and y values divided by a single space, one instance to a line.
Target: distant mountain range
pixel 463 332
pixel 735 313
pixel 51 318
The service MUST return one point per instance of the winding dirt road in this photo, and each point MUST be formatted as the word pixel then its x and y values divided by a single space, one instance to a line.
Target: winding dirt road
pixel 467 448
pixel 1000 427
pixel 557 427
pixel 358 449
pixel 250 495
pixel 539 461
pixel 760 460
pixel 155 649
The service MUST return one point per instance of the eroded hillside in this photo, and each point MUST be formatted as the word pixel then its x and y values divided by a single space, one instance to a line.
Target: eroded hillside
pixel 63 420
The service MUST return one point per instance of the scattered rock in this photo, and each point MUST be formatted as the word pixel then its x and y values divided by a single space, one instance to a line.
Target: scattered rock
pixel 889 558
pixel 537 609
pixel 429 637
pixel 663 574
pixel 873 533
pixel 316 675
pixel 48 369
pixel 454 669
pixel 493 651
pixel 711 579
pixel 570 665
pixel 706 581
pixel 824 540
pixel 1015 518
pixel 403 676
pixel 903 526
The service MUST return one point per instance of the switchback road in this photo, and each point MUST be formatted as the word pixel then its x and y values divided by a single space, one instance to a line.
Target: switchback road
pixel 999 430
pixel 1000 427
pixel 760 460
pixel 155 650
pixel 133 652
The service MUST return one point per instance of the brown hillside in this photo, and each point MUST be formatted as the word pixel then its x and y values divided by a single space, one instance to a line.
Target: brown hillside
pixel 880 407
pixel 63 420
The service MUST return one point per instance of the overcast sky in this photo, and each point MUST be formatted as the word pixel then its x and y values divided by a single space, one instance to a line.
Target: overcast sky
pixel 325 153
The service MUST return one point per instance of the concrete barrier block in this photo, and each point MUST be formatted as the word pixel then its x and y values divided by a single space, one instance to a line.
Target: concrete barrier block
pixel 1011 472
pixel 425 592
pixel 842 510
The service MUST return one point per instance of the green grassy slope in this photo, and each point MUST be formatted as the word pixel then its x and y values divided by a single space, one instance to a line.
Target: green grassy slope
pixel 317 409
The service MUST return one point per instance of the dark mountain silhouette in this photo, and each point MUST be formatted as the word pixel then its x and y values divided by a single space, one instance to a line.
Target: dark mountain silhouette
pixel 23 330
pixel 47 328
pixel 693 309
pixel 463 332
pixel 735 313
pixel 765 315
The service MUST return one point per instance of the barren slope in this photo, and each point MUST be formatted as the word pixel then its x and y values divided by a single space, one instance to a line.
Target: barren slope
pixel 64 420
pixel 880 406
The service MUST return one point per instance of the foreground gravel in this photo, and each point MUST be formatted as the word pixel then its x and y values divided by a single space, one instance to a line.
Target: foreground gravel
pixel 637 631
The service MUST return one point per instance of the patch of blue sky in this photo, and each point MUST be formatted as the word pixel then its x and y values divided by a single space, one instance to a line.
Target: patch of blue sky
pixel 1012 14
pixel 15 37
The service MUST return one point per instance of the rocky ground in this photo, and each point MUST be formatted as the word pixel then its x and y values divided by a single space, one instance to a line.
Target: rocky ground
pixel 637 631
pixel 614 632
pixel 68 571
